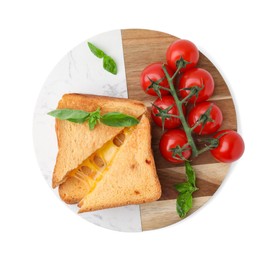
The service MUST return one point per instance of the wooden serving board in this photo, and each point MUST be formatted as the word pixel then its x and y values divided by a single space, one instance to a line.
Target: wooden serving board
pixel 141 48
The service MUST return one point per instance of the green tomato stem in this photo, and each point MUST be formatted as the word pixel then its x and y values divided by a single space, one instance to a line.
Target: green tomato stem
pixel 174 75
pixel 175 116
pixel 197 123
pixel 206 148
pixel 182 118
pixel 163 88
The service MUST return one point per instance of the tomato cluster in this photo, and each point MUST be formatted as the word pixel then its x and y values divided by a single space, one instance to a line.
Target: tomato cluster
pixel 194 86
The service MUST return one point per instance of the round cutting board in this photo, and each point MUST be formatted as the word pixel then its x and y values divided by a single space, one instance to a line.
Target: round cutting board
pixel 81 72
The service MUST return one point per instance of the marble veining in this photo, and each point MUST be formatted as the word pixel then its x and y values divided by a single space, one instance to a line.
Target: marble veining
pixel 81 72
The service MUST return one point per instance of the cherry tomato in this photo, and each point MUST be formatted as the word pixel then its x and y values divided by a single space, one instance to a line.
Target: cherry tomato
pixel 154 72
pixel 198 113
pixel 196 77
pixel 231 146
pixel 182 49
pixel 174 138
pixel 164 103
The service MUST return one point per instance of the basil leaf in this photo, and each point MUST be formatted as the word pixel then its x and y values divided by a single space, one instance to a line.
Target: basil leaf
pixel 117 119
pixel 94 118
pixel 183 204
pixel 110 65
pixel 92 122
pixel 184 187
pixel 76 116
pixel 95 50
pixel 190 173
pixel 184 199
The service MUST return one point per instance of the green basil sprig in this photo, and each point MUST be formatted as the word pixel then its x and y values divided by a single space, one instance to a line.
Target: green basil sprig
pixel 94 118
pixel 118 119
pixel 108 62
pixel 185 189
pixel 96 51
pixel 76 116
pixel 114 119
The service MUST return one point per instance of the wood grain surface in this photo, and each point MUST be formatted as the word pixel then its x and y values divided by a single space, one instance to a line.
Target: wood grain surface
pixel 141 48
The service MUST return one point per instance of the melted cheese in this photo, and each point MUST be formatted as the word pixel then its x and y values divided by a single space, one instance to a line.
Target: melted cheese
pixel 92 170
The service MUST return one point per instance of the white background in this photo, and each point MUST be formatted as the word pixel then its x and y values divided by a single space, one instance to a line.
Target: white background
pixel 235 35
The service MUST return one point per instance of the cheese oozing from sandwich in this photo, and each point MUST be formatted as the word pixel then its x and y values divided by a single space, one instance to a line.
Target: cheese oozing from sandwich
pixel 92 170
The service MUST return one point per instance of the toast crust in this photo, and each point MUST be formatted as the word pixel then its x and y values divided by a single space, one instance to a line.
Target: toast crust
pixel 89 102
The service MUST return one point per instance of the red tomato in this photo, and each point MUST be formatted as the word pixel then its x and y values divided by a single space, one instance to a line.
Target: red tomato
pixel 172 139
pixel 154 72
pixel 196 77
pixel 231 146
pixel 182 49
pixel 209 127
pixel 164 103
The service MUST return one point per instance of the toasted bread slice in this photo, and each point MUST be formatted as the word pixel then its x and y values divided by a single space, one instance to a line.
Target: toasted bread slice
pixel 82 179
pixel 75 141
pixel 131 178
